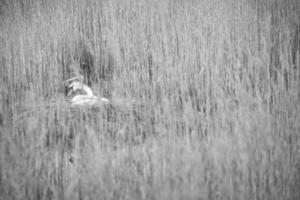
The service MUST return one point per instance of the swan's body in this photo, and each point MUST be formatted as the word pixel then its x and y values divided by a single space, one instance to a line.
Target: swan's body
pixel 80 100
pixel 88 98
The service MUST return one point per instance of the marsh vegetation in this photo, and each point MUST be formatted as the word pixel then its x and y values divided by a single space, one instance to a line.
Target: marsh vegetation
pixel 206 99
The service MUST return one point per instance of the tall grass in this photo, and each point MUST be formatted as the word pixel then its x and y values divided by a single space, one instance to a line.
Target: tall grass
pixel 206 100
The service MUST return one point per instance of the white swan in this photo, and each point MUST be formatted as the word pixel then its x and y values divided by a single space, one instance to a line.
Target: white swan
pixel 84 99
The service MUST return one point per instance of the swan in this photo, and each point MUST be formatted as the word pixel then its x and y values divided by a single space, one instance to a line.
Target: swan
pixel 84 99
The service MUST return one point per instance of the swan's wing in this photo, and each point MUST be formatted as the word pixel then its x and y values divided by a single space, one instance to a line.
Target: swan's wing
pixel 82 100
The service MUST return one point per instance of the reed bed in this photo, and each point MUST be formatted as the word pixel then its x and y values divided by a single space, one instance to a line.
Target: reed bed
pixel 205 99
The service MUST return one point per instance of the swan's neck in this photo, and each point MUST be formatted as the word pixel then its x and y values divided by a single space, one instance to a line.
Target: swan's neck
pixel 88 91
